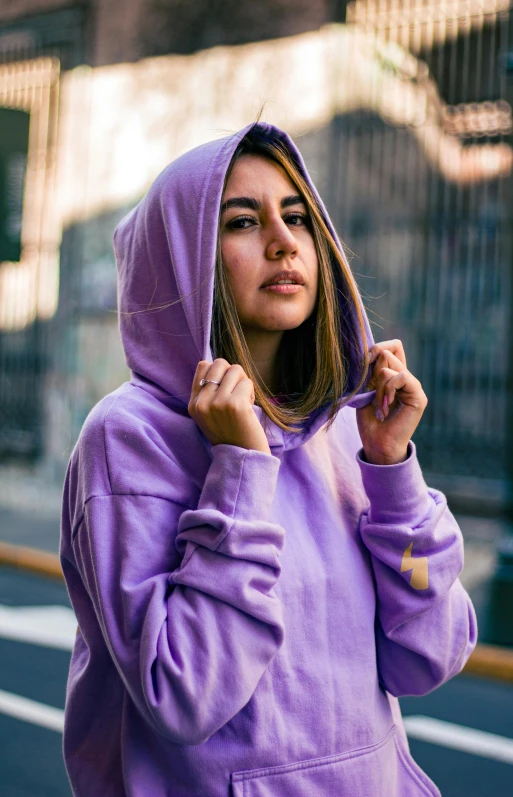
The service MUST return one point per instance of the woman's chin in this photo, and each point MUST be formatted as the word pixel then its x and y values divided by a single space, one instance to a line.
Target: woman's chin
pixel 283 324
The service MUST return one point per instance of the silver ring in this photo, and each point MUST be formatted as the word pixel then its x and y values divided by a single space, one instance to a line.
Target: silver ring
pixel 206 381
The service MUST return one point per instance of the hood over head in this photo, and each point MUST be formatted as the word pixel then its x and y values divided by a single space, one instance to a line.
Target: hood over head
pixel 165 252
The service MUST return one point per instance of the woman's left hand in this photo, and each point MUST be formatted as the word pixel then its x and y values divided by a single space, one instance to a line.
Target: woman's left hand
pixel 400 400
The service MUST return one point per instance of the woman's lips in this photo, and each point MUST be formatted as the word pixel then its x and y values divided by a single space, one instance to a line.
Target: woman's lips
pixel 286 288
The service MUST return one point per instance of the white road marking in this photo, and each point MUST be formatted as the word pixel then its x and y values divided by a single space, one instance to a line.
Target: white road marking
pixel 29 710
pixel 468 740
pixel 49 626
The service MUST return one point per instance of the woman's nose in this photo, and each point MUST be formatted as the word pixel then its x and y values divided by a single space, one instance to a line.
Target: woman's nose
pixel 282 242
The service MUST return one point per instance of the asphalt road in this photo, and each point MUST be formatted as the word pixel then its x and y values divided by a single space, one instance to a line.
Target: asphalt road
pixel 31 762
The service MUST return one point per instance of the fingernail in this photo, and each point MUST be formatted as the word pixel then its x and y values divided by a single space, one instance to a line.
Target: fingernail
pixel 379 415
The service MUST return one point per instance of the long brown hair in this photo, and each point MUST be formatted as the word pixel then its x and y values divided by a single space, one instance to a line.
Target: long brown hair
pixel 314 359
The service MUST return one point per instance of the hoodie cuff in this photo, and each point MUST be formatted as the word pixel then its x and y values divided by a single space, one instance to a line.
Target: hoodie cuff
pixel 240 482
pixel 397 493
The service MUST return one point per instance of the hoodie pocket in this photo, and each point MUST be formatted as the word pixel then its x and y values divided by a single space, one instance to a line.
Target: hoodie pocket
pixel 380 768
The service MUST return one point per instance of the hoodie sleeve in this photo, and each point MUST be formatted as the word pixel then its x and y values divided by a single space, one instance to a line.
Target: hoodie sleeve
pixel 426 625
pixel 192 641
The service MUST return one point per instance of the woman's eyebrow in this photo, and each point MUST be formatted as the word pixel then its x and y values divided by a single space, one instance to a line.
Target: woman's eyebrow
pixel 241 202
pixel 295 199
pixel 254 204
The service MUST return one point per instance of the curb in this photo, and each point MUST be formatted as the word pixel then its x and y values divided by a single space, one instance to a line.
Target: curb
pixel 491 661
pixel 486 661
pixel 32 559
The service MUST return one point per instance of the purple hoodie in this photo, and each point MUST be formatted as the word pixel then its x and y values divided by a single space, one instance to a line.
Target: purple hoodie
pixel 246 621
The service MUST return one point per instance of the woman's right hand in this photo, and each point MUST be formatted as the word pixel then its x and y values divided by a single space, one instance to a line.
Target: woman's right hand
pixel 225 413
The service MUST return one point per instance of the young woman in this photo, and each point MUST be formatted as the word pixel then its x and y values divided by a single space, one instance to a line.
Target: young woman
pixel 257 566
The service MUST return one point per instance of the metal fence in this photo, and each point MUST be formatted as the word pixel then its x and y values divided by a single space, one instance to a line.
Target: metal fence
pixel 423 200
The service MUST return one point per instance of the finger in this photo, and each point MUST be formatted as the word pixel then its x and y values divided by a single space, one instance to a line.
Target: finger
pixel 395 346
pixel 380 381
pixel 231 378
pixel 214 371
pixel 200 373
pixel 388 359
pixel 393 382
pixel 245 388
pixel 409 387
pixel 398 381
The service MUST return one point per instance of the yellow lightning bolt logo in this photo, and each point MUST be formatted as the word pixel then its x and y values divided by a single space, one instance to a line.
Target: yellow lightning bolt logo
pixel 419 568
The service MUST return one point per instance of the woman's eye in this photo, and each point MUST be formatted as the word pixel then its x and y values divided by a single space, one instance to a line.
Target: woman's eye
pixel 296 219
pixel 241 223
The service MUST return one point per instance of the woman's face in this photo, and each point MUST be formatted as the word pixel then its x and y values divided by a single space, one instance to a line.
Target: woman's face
pixel 265 231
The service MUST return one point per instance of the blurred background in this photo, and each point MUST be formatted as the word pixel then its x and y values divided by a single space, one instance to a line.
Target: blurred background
pixel 403 112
